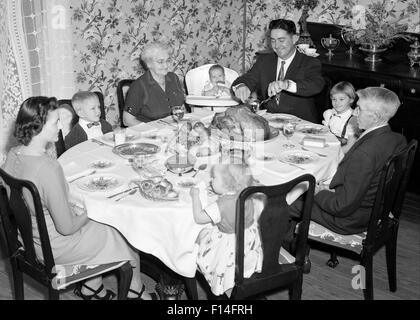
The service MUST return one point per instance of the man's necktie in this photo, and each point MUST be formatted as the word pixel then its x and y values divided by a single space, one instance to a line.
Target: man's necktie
pixel 90 125
pixel 280 78
pixel 281 73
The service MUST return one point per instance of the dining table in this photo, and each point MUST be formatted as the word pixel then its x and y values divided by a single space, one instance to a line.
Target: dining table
pixel 166 228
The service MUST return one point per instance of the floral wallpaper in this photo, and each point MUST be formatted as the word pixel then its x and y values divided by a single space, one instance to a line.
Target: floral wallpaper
pixel 109 34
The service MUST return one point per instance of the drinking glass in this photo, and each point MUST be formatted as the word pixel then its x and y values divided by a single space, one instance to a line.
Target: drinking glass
pixel 288 131
pixel 178 113
pixel 119 135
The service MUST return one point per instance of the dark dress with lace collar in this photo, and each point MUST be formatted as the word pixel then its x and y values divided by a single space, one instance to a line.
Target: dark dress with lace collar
pixel 147 101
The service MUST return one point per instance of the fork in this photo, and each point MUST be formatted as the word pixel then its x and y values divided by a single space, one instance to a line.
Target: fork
pixel 320 154
pixel 100 142
pixel 86 175
pixel 291 164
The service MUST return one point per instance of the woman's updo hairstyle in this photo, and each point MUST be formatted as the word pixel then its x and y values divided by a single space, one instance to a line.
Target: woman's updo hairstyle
pixel 32 116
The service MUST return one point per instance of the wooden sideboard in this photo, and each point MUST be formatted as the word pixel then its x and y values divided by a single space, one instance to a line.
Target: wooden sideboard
pixel 393 72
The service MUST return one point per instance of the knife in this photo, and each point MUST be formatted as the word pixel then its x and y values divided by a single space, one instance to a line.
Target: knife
pixel 117 194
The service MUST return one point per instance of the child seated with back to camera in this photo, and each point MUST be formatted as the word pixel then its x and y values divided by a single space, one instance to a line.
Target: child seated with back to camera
pixel 86 104
pixel 217 84
pixel 340 120
pixel 217 242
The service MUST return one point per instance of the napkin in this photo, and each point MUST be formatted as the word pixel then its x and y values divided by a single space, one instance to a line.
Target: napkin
pixel 75 176
pixel 314 142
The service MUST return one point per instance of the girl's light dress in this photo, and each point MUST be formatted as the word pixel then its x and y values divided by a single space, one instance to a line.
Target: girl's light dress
pixel 217 243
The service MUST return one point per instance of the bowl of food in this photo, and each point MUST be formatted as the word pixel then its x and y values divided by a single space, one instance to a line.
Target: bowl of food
pixel 157 190
pixel 180 164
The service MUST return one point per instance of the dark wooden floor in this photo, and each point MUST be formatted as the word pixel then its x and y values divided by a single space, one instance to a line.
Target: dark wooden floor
pixel 321 283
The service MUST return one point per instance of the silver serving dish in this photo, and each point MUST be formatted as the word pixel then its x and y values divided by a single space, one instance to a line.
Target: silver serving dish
pixel 157 191
pixel 130 150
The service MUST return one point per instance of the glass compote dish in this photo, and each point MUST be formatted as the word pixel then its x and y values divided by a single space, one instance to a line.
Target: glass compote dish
pixel 288 130
pixel 330 44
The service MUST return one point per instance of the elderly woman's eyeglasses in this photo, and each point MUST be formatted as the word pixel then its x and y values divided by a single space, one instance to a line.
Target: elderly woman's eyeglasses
pixel 163 61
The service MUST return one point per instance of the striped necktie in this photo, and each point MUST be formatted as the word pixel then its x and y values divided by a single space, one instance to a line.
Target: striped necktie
pixel 280 78
pixel 281 73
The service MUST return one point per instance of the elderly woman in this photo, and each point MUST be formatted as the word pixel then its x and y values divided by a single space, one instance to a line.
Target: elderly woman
pixel 151 96
pixel 75 239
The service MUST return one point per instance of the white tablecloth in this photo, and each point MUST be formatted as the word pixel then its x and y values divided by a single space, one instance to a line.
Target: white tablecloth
pixel 167 229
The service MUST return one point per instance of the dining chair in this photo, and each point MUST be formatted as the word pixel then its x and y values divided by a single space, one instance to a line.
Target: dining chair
pixel 280 270
pixel 122 88
pixel 17 224
pixel 383 224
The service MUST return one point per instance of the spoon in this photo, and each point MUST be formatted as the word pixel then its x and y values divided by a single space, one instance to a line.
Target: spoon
pixel 202 166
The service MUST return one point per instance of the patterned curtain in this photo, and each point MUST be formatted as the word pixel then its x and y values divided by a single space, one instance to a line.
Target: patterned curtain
pixel 13 70
pixel 48 34
pixel 36 57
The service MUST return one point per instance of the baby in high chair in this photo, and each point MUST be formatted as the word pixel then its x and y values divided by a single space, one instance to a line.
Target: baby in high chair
pixel 217 243
pixel 217 85
pixel 340 119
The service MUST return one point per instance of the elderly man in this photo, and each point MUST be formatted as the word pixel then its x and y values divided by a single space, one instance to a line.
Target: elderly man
pixel 345 205
pixel 293 78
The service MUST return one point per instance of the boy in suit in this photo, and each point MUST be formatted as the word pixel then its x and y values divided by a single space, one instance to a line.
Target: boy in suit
pixel 86 104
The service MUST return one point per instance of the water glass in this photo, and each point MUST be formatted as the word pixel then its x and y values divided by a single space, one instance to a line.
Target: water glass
pixel 288 131
pixel 119 136
pixel 178 113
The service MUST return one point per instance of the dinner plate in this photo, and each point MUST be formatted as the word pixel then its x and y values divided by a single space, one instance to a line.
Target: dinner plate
pixel 186 183
pixel 109 137
pixel 237 141
pixel 277 120
pixel 265 157
pixel 129 150
pixel 102 164
pixel 298 157
pixel 312 128
pixel 100 182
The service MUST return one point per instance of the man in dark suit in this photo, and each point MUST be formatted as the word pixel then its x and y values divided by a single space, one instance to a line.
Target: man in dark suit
pixel 290 77
pixel 346 204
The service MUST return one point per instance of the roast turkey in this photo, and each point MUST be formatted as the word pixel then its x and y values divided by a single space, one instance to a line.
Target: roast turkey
pixel 241 124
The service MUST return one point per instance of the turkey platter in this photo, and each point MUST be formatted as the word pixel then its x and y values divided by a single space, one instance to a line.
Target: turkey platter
pixel 241 124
